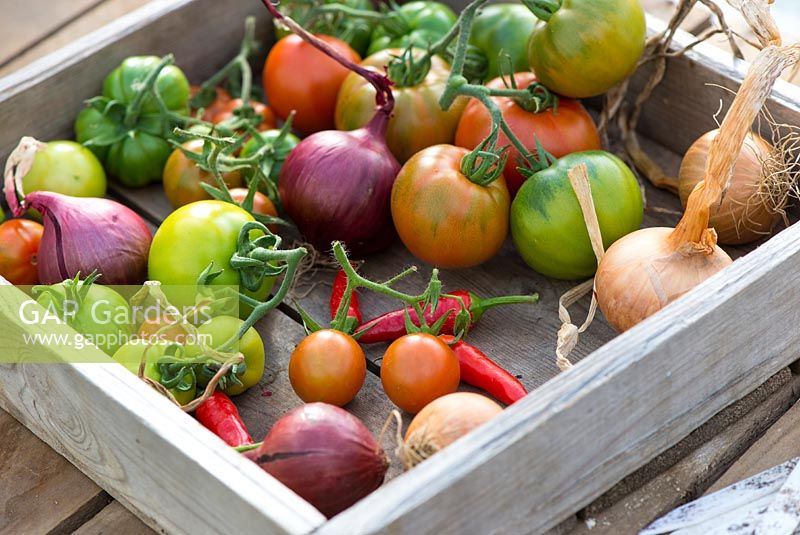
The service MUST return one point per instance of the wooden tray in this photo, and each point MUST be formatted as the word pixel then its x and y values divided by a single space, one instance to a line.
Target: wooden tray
pixel 544 458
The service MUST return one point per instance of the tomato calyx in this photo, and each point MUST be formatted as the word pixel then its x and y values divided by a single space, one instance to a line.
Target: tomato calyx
pixel 543 9
pixel 484 164
pixel 535 98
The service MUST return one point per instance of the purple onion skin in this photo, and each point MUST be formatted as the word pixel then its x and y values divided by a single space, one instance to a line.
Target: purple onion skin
pixel 325 455
pixel 337 186
pixel 87 234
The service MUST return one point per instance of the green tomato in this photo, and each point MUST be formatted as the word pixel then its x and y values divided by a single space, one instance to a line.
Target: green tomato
pixel 192 237
pixel 503 29
pixel 547 221
pixel 172 85
pixel 425 22
pixel 103 316
pixel 66 167
pixel 130 355
pixel 281 150
pixel 354 31
pixel 223 328
pixel 587 46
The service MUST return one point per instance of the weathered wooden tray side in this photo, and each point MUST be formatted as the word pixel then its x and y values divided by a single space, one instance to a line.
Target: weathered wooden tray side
pixel 539 462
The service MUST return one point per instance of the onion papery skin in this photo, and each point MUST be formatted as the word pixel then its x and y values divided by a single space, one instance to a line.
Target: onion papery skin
pixel 337 186
pixel 642 272
pixel 325 455
pixel 742 216
pixel 87 234
pixel 443 421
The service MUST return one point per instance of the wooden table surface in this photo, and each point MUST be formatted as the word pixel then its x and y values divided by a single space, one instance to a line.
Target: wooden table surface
pixel 40 492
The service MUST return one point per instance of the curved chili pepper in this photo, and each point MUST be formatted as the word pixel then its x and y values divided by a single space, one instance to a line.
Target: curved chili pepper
pixel 354 317
pixel 392 325
pixel 219 415
pixel 480 371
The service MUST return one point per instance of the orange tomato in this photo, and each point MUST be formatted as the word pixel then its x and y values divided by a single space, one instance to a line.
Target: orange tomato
pixel 219 102
pixel 261 204
pixel 182 178
pixel 327 366
pixel 299 77
pixel 225 111
pixel 563 131
pixel 19 245
pixel 418 368
pixel 442 217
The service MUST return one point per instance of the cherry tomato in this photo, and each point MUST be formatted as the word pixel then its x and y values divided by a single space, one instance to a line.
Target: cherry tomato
pixel 417 122
pixel 567 129
pixel 312 92
pixel 225 110
pixel 442 217
pixel 261 204
pixel 182 178
pixel 221 329
pixel 19 245
pixel 220 100
pixel 418 368
pixel 327 366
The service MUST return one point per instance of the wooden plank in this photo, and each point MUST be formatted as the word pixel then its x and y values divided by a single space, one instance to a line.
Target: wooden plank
pixel 780 443
pixel 114 519
pixel 37 479
pixel 556 451
pixel 135 443
pixel 26 23
pixel 88 20
pixel 687 479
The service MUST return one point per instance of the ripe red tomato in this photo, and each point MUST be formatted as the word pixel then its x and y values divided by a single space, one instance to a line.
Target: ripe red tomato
pixel 444 218
pixel 19 245
pixel 219 102
pixel 327 366
pixel 312 92
pixel 418 368
pixel 182 178
pixel 568 129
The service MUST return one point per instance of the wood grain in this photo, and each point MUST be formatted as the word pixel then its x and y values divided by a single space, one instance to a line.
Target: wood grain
pixel 39 490
pixel 112 520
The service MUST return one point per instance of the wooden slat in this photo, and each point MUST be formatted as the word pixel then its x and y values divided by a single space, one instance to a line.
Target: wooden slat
pixel 780 443
pixel 114 519
pixel 687 479
pixel 555 451
pixel 99 13
pixel 136 444
pixel 39 490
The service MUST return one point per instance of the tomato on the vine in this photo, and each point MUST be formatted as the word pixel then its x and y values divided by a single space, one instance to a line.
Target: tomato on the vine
pixel 262 205
pixel 547 221
pixel 562 130
pixel 327 366
pixel 19 245
pixel 221 99
pixel 417 122
pixel 501 30
pixel 312 95
pixel 220 329
pixel 193 236
pixel 182 177
pixel 418 368
pixel 443 217
pixel 224 111
pixel 280 151
pixel 130 355
pixel 585 47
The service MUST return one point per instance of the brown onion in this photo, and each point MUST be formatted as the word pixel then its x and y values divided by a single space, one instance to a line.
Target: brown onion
pixel 648 269
pixel 744 215
pixel 442 421
pixel 81 235
pixel 325 455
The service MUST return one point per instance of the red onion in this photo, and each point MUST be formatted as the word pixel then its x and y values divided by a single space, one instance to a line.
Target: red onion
pixel 325 455
pixel 337 185
pixel 80 234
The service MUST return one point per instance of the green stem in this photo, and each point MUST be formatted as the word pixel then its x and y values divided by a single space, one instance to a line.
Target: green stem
pixel 148 86
pixel 543 9
pixel 238 62
pixel 248 447
pixel 362 282
pixel 317 11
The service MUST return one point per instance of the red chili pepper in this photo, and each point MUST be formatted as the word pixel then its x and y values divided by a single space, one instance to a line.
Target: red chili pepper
pixel 220 415
pixel 392 325
pixel 354 317
pixel 480 371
